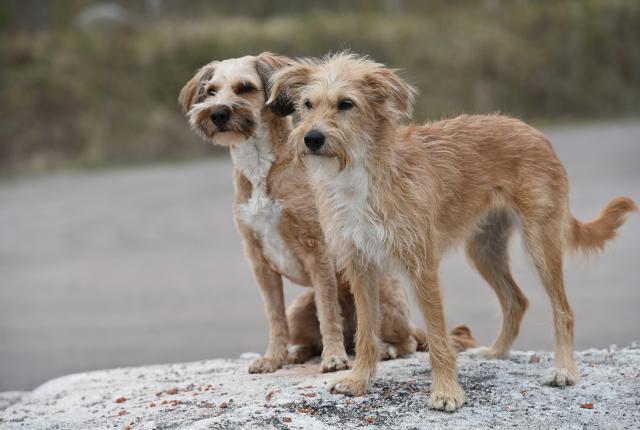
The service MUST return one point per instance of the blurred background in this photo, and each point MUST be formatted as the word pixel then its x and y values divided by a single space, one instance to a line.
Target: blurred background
pixel 117 245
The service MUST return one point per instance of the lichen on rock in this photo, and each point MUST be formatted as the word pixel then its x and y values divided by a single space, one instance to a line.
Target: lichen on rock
pixel 221 394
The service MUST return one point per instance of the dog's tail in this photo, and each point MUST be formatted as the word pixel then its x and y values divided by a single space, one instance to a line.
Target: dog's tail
pixel 593 235
pixel 461 338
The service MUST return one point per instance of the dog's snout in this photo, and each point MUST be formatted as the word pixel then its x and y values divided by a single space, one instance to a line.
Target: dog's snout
pixel 221 115
pixel 314 140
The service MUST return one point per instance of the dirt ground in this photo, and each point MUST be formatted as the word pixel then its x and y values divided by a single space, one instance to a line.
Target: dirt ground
pixel 143 265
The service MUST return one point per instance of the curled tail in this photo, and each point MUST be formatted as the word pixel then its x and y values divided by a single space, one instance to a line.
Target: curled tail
pixel 592 236
pixel 461 338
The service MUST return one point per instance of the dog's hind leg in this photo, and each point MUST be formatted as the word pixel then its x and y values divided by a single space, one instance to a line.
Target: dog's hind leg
pixel 544 240
pixel 397 333
pixel 304 329
pixel 488 250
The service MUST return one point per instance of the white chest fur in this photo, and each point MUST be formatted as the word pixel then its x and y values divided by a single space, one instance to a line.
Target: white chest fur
pixel 261 212
pixel 352 217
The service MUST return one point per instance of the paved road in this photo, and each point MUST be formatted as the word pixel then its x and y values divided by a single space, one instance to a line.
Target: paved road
pixel 143 265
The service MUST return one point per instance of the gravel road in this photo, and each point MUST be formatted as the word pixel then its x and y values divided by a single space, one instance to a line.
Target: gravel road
pixel 143 265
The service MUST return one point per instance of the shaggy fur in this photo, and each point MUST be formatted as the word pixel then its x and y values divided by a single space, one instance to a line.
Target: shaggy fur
pixel 396 197
pixel 278 223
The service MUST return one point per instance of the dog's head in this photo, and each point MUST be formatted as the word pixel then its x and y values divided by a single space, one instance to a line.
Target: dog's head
pixel 225 100
pixel 346 104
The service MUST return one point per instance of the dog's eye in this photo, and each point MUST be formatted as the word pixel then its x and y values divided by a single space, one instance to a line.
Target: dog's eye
pixel 211 92
pixel 307 104
pixel 345 104
pixel 245 87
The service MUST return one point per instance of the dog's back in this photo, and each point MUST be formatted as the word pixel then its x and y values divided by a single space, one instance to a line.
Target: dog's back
pixel 494 161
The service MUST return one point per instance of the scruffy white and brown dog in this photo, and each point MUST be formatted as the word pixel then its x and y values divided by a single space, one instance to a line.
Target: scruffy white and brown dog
pixel 395 197
pixel 275 214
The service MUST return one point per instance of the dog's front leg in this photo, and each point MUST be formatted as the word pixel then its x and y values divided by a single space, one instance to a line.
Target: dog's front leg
pixel 446 394
pixel 270 284
pixel 323 278
pixel 365 286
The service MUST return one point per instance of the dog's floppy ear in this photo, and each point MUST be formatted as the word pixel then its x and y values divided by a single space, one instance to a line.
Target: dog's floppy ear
pixel 267 63
pixel 194 90
pixel 386 84
pixel 285 85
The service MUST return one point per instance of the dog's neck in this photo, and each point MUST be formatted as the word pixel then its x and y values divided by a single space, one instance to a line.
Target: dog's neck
pixel 349 198
pixel 382 156
pixel 344 200
pixel 256 156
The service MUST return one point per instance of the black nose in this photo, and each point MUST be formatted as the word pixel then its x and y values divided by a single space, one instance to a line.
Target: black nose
pixel 314 140
pixel 220 116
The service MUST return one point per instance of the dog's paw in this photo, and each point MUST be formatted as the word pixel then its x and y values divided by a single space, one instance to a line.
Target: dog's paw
pixel 350 386
pixel 265 365
pixel 447 401
pixel 334 363
pixel 298 354
pixel 560 377
pixel 388 352
pixel 487 353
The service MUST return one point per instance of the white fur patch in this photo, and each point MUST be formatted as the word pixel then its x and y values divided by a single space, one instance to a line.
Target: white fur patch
pixel 294 349
pixel 228 71
pixel 352 217
pixel 261 212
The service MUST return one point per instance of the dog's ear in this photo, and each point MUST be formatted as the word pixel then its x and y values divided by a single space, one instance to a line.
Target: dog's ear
pixel 386 84
pixel 285 85
pixel 194 90
pixel 267 63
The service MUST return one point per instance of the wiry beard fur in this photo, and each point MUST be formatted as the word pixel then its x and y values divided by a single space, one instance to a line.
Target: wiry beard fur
pixel 241 122
pixel 339 145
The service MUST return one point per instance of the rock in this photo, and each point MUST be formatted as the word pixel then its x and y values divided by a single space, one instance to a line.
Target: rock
pixel 9 398
pixel 222 394
pixel 249 356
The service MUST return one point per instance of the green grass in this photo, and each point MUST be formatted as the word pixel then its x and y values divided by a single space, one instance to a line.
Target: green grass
pixel 72 97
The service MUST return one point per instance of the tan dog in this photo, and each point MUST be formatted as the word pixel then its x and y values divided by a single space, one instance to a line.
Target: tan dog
pixel 396 197
pixel 278 221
